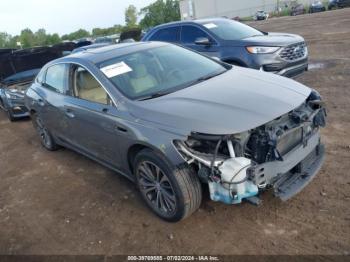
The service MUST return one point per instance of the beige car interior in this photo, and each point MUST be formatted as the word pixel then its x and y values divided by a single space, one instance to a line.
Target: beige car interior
pixel 88 88
pixel 141 80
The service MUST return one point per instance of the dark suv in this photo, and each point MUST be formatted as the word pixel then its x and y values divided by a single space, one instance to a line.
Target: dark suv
pixel 238 44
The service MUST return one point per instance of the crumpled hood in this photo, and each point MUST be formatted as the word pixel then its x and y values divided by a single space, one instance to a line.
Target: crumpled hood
pixel 236 101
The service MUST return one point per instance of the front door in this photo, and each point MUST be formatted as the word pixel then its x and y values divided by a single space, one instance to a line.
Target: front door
pixel 189 35
pixel 93 118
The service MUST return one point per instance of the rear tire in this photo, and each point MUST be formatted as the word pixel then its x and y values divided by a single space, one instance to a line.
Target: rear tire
pixel 172 193
pixel 46 138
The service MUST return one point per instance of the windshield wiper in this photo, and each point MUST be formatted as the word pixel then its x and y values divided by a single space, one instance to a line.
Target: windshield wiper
pixel 198 80
pixel 155 95
pixel 204 78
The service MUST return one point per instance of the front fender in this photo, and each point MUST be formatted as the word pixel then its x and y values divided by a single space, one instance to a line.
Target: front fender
pixel 30 99
pixel 160 141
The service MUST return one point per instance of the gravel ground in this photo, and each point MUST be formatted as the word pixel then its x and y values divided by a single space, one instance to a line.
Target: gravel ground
pixel 64 203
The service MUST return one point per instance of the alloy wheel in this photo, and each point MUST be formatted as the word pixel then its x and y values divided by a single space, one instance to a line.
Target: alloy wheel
pixel 43 133
pixel 156 187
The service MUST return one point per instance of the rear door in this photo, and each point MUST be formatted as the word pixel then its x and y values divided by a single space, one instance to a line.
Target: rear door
pixel 189 35
pixel 93 117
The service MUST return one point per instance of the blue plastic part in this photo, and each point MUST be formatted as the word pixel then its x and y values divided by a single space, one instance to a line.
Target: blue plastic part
pixel 225 197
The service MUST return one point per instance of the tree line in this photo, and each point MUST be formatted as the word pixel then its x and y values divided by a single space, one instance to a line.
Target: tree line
pixel 159 12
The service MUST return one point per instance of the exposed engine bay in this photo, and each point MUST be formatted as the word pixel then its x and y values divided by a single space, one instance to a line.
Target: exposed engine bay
pixel 283 154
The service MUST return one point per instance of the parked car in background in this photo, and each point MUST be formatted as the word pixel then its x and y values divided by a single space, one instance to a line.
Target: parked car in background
pixel 112 39
pixel 170 119
pixel 261 15
pixel 317 6
pixel 338 4
pixel 238 44
pixel 236 18
pixel 18 68
pixel 298 9
pixel 12 93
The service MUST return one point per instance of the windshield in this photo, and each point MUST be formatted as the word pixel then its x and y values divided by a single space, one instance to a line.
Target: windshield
pixel 231 30
pixel 158 71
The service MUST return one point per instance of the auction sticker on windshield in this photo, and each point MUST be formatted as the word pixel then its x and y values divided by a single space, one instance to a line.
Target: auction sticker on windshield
pixel 116 69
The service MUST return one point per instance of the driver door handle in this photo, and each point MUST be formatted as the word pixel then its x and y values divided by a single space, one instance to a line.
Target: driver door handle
pixel 41 102
pixel 69 113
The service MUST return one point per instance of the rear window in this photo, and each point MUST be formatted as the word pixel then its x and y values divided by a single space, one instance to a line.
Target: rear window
pixel 170 34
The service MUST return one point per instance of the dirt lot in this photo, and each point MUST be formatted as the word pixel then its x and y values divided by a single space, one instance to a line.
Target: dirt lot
pixel 63 203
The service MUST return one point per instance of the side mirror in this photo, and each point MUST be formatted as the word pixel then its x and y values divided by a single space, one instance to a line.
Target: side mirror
pixel 202 41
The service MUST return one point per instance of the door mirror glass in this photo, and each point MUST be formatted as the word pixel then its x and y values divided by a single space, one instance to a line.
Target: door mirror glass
pixel 202 41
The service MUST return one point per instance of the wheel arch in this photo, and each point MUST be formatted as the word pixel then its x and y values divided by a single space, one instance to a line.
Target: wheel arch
pixel 134 149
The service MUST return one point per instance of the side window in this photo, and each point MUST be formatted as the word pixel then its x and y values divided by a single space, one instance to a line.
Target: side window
pixel 56 78
pixel 189 34
pixel 170 34
pixel 41 76
pixel 88 88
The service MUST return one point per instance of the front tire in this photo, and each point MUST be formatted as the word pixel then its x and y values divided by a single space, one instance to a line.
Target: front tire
pixel 46 138
pixel 9 115
pixel 171 193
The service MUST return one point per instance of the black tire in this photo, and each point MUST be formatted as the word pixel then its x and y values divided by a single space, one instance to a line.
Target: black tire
pixel 10 116
pixel 46 138
pixel 174 193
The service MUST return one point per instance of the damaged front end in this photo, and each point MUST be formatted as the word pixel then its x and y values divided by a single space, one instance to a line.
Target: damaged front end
pixel 15 98
pixel 283 154
pixel 12 91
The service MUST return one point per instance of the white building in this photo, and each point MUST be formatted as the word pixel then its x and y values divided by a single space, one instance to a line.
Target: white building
pixel 195 9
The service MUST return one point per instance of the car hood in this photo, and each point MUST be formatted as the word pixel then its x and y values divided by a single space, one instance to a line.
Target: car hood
pixel 273 39
pixel 236 101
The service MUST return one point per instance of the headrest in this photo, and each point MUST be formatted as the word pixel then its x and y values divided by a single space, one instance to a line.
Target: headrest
pixel 86 80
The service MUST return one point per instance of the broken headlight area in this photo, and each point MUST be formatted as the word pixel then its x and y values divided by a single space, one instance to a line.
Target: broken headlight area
pixel 14 95
pixel 16 91
pixel 237 167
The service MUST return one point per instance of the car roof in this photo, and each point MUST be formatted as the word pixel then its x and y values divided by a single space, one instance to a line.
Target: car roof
pixel 98 55
pixel 87 47
pixel 196 21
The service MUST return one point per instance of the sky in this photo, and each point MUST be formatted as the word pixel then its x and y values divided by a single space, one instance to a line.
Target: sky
pixel 63 16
